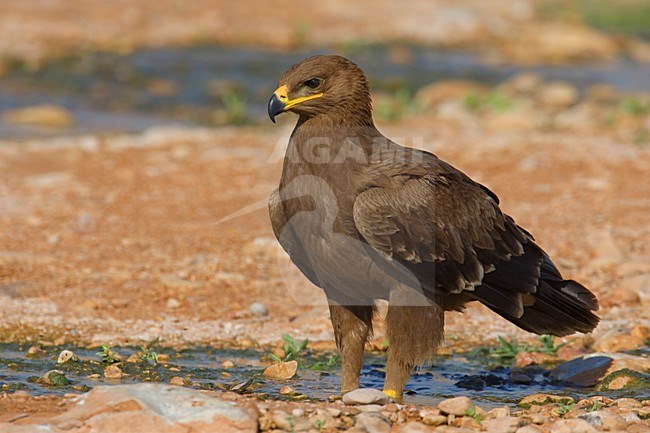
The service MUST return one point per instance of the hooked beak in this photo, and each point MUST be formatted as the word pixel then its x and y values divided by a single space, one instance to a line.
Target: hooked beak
pixel 280 102
pixel 276 103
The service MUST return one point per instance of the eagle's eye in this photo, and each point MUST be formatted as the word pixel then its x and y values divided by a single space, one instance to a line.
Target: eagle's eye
pixel 313 83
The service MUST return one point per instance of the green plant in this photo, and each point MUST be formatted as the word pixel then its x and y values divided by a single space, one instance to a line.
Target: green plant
pixel 493 101
pixel 292 349
pixel 319 424
pixel 472 101
pixel 397 105
pixel 547 345
pixel 327 364
pixel 564 409
pixel 611 15
pixel 642 137
pixel 148 356
pixel 107 355
pixel 594 406
pixel 506 350
pixel 472 412
pixel 634 106
pixel 234 102
pixel 498 102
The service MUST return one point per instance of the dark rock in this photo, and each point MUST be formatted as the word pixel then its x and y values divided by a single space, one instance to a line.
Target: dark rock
pixel 582 371
pixel 591 369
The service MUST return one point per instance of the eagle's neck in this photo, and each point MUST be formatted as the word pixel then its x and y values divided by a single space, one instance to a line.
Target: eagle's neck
pixel 322 140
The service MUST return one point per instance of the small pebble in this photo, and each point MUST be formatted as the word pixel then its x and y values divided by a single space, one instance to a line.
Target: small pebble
pixel 322 420
pixel 370 408
pixel 67 355
pixel 630 417
pixel 506 424
pixel 289 422
pixel 366 396
pixel 537 418
pixel 113 371
pixel 227 364
pixel 605 420
pixel 575 425
pixel 434 420
pixel 627 403
pixel 287 390
pixel 53 378
pixel 298 412
pixel 456 406
pixel 180 381
pixel 173 303
pixel 372 422
pixel 431 416
pixel 258 309
pixel 332 411
pixel 35 351
pixel 391 407
pixel 469 423
pixel 498 412
pixel 529 429
pixel 281 370
pixel 414 427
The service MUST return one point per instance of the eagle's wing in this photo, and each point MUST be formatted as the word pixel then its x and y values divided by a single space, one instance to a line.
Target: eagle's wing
pixel 449 232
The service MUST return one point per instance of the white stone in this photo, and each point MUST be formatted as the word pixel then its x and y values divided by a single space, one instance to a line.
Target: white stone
pixel 366 396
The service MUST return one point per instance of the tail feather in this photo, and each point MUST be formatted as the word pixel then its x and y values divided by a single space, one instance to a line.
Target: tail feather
pixel 551 306
pixel 555 312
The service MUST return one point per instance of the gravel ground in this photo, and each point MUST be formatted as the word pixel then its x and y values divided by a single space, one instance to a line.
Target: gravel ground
pixel 163 235
pixel 127 238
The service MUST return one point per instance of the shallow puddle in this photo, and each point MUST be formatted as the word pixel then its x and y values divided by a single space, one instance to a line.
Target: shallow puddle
pixel 202 366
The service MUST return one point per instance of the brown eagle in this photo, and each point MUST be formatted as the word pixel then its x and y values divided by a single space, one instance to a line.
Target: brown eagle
pixel 364 219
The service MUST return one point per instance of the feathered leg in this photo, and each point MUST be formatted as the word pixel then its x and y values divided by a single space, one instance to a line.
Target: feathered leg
pixel 352 326
pixel 414 327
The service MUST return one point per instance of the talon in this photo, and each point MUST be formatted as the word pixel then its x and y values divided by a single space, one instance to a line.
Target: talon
pixel 392 394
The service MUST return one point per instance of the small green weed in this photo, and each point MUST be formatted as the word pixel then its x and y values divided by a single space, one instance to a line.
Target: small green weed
pixel 293 350
pixel 327 364
pixel 401 103
pixel 493 101
pixel 642 137
pixel 149 356
pixel 621 16
pixel 564 409
pixel 506 351
pixel 107 355
pixel 472 412
pixel 547 345
pixel 319 424
pixel 634 106
pixel 594 406
pixel 234 103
